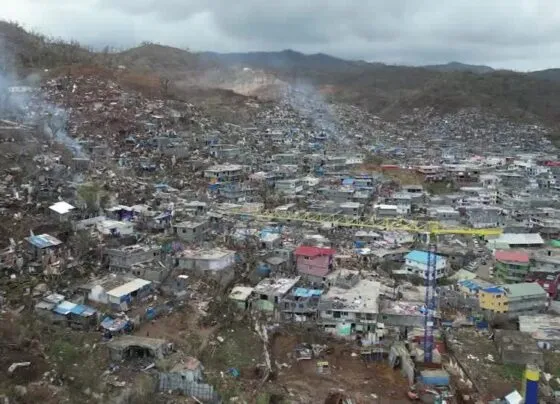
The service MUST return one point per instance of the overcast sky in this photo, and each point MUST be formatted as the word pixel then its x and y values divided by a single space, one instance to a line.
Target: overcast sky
pixel 517 34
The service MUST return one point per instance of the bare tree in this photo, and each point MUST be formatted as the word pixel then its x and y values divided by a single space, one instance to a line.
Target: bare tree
pixel 164 86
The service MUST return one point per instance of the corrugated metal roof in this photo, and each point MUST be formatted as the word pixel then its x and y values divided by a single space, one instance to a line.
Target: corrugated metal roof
pixel 44 241
pixel 512 256
pixel 83 310
pixel 314 251
pixel 517 290
pixel 129 287
pixel 520 239
pixel 78 309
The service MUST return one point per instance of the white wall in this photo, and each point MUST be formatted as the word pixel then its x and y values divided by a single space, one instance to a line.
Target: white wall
pixel 417 268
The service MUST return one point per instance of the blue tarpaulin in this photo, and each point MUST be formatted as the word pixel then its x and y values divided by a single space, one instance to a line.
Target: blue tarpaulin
pixel 64 308
pixel 304 292
pixel 114 325
pixel 44 241
pixel 83 310
pixel 78 309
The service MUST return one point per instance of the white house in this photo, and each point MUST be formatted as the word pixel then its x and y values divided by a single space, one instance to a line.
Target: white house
pixel 416 263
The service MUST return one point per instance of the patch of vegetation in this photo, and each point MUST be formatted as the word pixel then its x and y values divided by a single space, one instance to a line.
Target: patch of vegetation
pixel 93 196
pixel 268 398
pixel 64 352
pixel 512 372
pixel 241 349
pixel 552 363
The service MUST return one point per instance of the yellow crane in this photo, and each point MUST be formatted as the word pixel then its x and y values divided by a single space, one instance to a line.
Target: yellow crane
pixel 431 229
pixel 367 222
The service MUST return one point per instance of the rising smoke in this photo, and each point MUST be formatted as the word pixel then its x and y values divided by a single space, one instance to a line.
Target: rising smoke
pixel 311 105
pixel 28 104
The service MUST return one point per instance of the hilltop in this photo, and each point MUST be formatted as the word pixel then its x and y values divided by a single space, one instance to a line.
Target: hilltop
pixel 460 67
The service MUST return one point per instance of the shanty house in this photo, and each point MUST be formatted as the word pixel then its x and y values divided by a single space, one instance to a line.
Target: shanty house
pixel 315 263
pixel 240 296
pixel 43 244
pixel 128 292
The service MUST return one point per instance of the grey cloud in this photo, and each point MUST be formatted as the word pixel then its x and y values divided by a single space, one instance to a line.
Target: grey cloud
pixel 522 33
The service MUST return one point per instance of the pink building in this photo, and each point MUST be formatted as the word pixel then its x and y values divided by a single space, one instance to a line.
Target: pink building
pixel 314 261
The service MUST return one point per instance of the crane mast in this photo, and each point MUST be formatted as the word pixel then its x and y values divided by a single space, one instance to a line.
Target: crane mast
pixel 431 229
pixel 430 302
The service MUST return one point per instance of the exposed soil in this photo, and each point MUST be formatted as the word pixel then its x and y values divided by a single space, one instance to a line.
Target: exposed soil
pixel 181 327
pixel 374 381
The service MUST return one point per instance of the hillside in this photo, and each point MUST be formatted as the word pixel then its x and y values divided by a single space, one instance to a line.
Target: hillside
pixel 22 50
pixel 386 90
pixel 391 90
pixel 548 74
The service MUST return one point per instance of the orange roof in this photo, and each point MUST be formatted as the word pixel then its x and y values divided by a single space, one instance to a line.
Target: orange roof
pixel 512 256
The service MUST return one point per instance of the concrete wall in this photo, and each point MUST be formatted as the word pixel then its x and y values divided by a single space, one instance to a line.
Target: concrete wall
pixel 318 266
pixel 217 264
pixel 398 350
pixel 401 320
pixel 192 233
pixel 125 259
pixel 155 274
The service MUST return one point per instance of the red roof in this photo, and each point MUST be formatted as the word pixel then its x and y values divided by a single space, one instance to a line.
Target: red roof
pixel 512 256
pixel 308 251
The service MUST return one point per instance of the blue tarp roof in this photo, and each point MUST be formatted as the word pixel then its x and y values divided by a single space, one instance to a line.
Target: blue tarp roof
pixel 348 181
pixel 83 310
pixel 470 284
pixel 44 241
pixel 64 308
pixel 113 325
pixel 420 256
pixel 78 309
pixel 303 292
pixel 493 289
